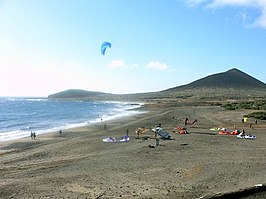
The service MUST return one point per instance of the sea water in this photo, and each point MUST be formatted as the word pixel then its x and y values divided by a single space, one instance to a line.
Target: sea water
pixel 20 116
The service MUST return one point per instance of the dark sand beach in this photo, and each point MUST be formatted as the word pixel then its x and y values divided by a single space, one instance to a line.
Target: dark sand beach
pixel 78 164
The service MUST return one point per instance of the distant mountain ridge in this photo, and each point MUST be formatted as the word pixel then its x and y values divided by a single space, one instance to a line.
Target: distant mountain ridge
pixel 232 78
pixel 76 93
pixel 219 84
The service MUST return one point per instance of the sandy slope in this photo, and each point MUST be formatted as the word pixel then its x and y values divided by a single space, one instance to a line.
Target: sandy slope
pixel 79 165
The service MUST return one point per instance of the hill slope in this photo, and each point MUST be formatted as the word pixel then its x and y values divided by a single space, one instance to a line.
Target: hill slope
pixel 76 93
pixel 232 84
pixel 233 78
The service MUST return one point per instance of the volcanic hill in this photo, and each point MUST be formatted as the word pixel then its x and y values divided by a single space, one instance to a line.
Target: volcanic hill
pixel 232 78
pixel 232 84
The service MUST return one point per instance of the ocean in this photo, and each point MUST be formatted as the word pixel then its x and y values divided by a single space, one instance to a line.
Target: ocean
pixel 19 116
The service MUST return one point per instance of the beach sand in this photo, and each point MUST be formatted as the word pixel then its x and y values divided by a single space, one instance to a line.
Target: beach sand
pixel 79 164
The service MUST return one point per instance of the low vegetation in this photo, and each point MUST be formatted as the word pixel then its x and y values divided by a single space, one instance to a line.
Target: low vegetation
pixel 252 105
pixel 257 115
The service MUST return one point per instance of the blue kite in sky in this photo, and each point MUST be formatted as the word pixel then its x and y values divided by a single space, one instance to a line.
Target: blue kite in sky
pixel 104 46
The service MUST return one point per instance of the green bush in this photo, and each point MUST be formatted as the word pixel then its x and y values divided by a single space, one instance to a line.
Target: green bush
pixel 229 106
pixel 257 115
pixel 256 105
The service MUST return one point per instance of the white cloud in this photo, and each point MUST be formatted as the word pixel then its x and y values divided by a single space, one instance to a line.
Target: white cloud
pixel 260 4
pixel 157 65
pixel 194 2
pixel 121 64
pixel 117 64
pixel 259 21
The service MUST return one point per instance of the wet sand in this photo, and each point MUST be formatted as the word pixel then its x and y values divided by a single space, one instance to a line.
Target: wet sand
pixel 78 164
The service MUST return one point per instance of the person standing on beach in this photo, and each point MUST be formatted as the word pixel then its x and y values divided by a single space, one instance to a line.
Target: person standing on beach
pixel 31 135
pixel 34 135
pixel 243 133
pixel 157 141
pixel 186 121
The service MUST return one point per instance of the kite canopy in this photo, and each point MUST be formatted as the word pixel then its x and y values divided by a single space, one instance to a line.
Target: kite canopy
pixel 104 46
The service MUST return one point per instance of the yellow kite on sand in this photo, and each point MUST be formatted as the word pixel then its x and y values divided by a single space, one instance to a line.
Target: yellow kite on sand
pixel 141 130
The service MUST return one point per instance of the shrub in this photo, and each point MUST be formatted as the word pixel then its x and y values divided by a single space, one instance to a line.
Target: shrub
pixel 257 115
pixel 229 106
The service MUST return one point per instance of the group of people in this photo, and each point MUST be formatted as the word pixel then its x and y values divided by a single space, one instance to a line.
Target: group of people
pixel 33 135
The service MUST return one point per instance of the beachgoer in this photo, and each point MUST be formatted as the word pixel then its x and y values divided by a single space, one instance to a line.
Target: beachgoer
pixel 155 133
pixel 31 135
pixel 34 135
pixel 156 130
pixel 105 127
pixel 157 142
pixel 127 132
pixel 137 131
pixel 242 134
pixel 60 132
pixel 186 121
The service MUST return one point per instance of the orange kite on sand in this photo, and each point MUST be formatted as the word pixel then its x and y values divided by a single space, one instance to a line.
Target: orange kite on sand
pixel 182 130
pixel 224 132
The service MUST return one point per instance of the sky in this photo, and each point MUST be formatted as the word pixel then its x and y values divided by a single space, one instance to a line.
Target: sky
pixel 47 46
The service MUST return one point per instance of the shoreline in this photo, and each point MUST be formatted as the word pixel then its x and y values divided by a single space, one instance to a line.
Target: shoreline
pixel 50 135
pixel 126 113
pixel 79 165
